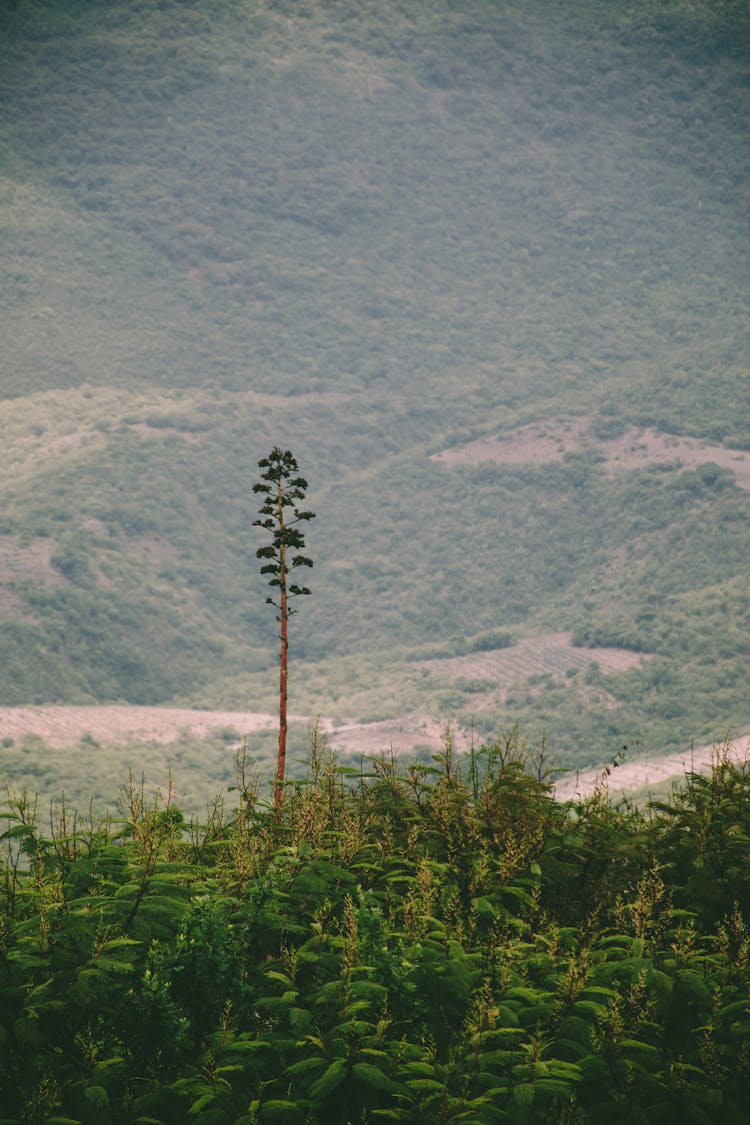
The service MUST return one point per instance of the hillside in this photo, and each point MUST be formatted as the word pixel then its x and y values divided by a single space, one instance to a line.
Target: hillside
pixel 483 267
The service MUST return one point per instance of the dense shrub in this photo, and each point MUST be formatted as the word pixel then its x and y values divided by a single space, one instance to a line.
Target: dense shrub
pixel 421 943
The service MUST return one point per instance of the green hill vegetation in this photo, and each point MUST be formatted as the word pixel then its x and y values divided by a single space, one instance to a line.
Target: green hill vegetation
pixel 436 942
pixel 373 234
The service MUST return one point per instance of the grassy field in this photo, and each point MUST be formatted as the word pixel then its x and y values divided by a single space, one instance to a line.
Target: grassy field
pixel 484 269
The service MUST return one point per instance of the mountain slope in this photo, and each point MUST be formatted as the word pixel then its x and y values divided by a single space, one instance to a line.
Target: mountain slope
pixel 374 236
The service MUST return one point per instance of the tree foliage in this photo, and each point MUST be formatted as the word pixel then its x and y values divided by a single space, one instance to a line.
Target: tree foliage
pixel 283 489
pixel 402 942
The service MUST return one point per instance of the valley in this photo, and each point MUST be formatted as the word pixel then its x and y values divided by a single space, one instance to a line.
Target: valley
pixel 482 268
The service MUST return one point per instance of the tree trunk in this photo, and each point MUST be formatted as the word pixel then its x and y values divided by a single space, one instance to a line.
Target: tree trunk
pixel 283 662
pixel 281 760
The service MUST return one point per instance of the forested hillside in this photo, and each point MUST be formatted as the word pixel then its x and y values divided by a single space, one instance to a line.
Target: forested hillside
pixel 482 266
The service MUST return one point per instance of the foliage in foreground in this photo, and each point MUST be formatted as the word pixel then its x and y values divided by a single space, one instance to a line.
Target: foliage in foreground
pixel 416 944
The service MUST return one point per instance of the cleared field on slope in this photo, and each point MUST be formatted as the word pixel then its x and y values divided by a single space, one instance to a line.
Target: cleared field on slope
pixel 65 726
pixel 644 772
pixel 634 449
pixel 87 751
pixel 549 654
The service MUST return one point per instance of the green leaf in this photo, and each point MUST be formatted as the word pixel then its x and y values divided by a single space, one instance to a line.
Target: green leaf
pixel 595 991
pixel 530 995
pixel 417 1067
pixel 733 1008
pixel 425 1085
pixel 327 1083
pixel 273 974
pixel 484 908
pixel 202 1102
pixel 97 1095
pixel 371 1076
pixel 369 989
pixel 588 1007
pixel 557 1087
pixel 330 991
pixel 570 1046
pixel 304 1066
pixel 523 1094
pixel 357 1006
pixel 120 943
pixel 277 1108
pixel 114 967
pixel 640 1047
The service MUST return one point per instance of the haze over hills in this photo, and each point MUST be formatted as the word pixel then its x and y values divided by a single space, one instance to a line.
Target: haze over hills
pixel 482 266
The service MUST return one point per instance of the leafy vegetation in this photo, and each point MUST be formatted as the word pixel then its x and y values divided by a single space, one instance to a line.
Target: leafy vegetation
pixel 429 942
pixel 370 236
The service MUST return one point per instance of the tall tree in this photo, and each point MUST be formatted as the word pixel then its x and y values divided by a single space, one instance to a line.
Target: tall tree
pixel 284 490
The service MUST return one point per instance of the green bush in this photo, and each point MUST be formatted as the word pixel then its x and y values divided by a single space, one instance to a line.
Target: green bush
pixel 414 942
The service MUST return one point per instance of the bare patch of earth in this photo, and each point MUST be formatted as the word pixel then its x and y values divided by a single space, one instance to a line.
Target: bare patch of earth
pixel 80 439
pixel 287 401
pixel 403 735
pixel 147 430
pixel 528 445
pixel 539 444
pixel 19 560
pixel 64 725
pixel 638 448
pixel 157 552
pixel 45 428
pixel 642 772
pixel 13 606
pixel 549 654
pixel 91 523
